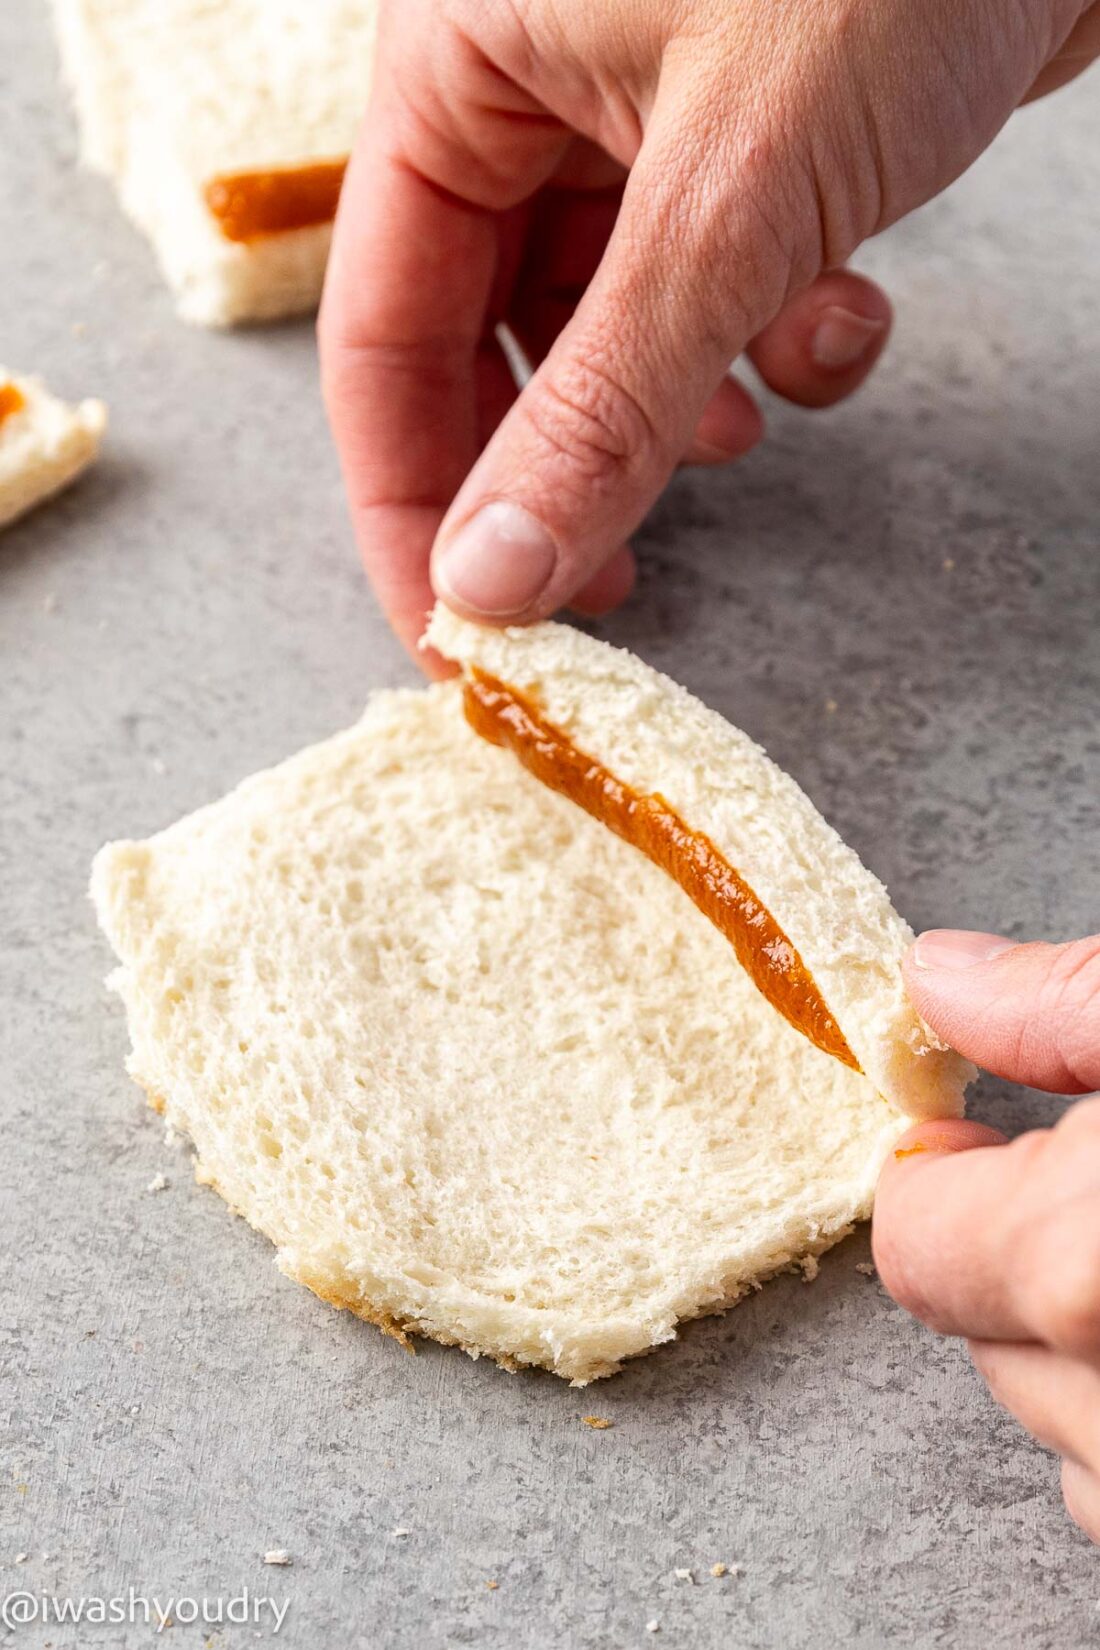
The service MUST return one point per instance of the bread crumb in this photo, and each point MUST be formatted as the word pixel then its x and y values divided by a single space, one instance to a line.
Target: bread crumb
pixel 948 564
pixel 20 1558
pixel 278 1555
pixel 718 1569
pixel 653 1626
pixel 831 707
pixel 598 1423
pixel 158 765
pixel 684 1575
pixel 49 602
pixel 400 1533
pixel 809 1268
pixel 910 1151
pixel 159 1183
pixel 492 1585
pixel 865 1268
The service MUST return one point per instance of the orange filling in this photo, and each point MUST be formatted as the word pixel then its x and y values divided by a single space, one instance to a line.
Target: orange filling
pixel 249 205
pixel 507 717
pixel 12 400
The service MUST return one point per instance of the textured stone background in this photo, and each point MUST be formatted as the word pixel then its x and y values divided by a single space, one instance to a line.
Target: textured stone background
pixel 171 1405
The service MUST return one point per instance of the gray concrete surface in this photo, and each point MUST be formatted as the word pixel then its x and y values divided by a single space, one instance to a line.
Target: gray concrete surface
pixel 927 558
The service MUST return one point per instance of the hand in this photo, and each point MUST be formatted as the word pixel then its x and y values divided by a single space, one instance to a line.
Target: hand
pixel 759 144
pixel 1001 1243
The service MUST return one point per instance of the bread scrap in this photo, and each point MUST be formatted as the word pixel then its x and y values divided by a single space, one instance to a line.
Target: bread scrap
pixel 44 443
pixel 225 129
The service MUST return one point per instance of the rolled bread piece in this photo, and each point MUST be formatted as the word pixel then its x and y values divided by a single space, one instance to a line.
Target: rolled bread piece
pixel 830 914
pixel 225 129
pixel 44 442
pixel 478 1067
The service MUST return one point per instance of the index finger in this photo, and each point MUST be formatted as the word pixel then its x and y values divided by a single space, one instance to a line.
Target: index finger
pixel 406 293
pixel 944 1236
pixel 997 1242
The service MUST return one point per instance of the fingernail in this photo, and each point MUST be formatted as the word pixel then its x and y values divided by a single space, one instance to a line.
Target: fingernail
pixel 843 337
pixel 948 1134
pixel 951 948
pixel 705 452
pixel 498 562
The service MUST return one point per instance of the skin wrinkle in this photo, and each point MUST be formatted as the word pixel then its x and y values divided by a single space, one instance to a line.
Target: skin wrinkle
pixel 489 184
pixel 1042 30
pixel 1068 994
pixel 1065 1277
pixel 440 356
pixel 844 147
pixel 694 217
pixel 597 104
pixel 731 200
pixel 988 1358
pixel 1081 1491
pixel 1024 1377
pixel 1079 47
pixel 1074 1000
pixel 1050 1039
pixel 601 428
pixel 767 178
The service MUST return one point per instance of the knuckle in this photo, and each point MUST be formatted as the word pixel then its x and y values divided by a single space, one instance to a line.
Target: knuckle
pixel 1069 1285
pixel 328 331
pixel 1070 1006
pixel 1080 1119
pixel 902 1277
pixel 1081 1494
pixel 592 423
pixel 983 1355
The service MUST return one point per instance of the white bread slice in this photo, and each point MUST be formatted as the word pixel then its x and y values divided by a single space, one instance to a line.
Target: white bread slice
pixel 174 94
pixel 477 1067
pixel 44 443
pixel 656 738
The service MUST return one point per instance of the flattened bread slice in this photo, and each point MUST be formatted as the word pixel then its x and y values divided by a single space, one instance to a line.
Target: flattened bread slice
pixel 479 1068
pixel 225 128
pixel 44 442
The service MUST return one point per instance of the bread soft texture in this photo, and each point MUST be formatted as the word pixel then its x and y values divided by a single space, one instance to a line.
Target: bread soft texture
pixel 655 737
pixel 44 444
pixel 171 94
pixel 478 1068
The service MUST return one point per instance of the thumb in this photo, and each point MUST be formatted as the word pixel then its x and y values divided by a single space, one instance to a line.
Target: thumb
pixel 1030 1013
pixel 599 428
